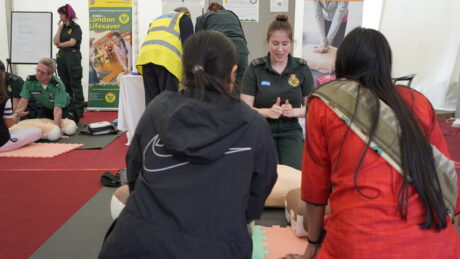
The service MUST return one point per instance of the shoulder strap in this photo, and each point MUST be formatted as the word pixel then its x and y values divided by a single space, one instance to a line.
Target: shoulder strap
pixel 259 61
pixel 55 82
pixel 32 78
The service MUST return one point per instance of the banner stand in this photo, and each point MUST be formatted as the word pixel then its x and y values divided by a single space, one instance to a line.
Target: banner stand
pixel 110 51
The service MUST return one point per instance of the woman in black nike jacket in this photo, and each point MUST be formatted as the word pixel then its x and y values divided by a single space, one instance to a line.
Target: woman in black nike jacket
pixel 200 166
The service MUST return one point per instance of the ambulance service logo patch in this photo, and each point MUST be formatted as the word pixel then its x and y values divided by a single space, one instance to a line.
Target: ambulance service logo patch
pixel 69 31
pixel 123 18
pixel 293 80
pixel 110 97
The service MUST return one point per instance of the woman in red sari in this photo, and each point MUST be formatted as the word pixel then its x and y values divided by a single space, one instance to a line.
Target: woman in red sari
pixel 382 206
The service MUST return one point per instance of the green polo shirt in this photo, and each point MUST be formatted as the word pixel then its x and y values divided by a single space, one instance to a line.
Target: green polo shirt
pixel 266 85
pixel 54 94
pixel 224 21
pixel 13 85
pixel 73 31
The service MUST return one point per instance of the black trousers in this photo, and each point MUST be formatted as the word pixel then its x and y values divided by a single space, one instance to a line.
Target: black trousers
pixel 340 33
pixel 156 80
pixel 67 113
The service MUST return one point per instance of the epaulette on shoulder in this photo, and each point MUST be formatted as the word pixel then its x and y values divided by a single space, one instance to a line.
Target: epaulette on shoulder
pixel 74 25
pixel 259 61
pixel 303 61
pixel 32 78
pixel 55 82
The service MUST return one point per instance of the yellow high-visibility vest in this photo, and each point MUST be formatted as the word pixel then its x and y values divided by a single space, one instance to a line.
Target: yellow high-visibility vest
pixel 163 46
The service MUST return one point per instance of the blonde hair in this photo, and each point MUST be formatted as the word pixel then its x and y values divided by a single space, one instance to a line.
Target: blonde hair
pixel 50 63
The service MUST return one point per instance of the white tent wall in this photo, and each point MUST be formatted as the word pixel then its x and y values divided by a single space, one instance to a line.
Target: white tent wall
pixel 453 92
pixel 3 31
pixel 423 34
pixel 147 10
pixel 425 39
pixel 372 11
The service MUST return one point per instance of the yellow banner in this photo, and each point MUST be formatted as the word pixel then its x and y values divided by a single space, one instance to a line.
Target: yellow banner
pixel 111 3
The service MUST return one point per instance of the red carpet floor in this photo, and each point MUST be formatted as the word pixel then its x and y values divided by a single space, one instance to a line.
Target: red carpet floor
pixel 36 204
pixel 40 194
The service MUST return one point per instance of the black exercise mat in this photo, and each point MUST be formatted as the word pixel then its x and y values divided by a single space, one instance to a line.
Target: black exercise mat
pixel 90 142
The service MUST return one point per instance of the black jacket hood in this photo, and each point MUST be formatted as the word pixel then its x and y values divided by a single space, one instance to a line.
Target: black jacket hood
pixel 199 131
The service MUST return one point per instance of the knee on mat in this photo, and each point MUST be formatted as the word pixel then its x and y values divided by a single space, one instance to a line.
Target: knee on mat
pixel 70 127
pixel 53 134
pixel 119 199
pixel 116 206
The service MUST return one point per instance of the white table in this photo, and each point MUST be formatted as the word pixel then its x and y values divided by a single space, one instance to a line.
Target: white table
pixel 131 104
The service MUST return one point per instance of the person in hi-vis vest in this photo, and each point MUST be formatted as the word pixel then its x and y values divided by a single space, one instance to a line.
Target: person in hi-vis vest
pixel 160 58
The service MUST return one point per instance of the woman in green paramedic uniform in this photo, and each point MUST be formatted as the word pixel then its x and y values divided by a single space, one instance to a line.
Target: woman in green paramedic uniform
pixel 277 86
pixel 68 40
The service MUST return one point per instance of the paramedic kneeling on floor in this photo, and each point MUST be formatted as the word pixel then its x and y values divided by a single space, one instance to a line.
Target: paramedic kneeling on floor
pixel 49 93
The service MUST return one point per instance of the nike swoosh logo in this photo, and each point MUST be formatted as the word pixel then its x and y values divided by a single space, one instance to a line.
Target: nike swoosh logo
pixel 156 148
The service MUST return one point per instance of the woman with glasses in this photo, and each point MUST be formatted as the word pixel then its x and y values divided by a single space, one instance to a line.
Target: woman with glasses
pixel 49 93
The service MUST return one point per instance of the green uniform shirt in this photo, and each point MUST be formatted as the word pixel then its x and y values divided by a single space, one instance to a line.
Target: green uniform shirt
pixel 13 85
pixel 54 94
pixel 72 31
pixel 226 22
pixel 266 85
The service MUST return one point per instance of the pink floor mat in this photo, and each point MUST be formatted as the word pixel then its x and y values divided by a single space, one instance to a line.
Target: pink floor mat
pixel 41 150
pixel 282 241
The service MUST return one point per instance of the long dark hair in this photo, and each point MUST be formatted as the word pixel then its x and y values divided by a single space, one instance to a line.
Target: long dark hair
pixel 3 93
pixel 208 59
pixel 365 56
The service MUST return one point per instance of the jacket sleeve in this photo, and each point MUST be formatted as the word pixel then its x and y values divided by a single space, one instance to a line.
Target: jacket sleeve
pixel 249 81
pixel 133 161
pixel 186 28
pixel 199 24
pixel 264 176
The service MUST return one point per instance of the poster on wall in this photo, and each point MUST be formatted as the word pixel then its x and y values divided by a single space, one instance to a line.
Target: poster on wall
pixel 279 6
pixel 247 10
pixel 110 51
pixel 325 25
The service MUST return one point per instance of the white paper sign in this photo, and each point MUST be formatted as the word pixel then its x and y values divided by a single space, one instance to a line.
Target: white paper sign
pixel 279 6
pixel 247 10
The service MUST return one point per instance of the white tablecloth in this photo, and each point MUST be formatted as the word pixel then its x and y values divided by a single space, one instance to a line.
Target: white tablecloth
pixel 131 104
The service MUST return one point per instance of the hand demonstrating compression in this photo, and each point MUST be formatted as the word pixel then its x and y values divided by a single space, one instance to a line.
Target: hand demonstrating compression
pixel 322 48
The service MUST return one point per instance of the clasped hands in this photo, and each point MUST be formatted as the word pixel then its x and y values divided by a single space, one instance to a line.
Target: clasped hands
pixel 277 110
